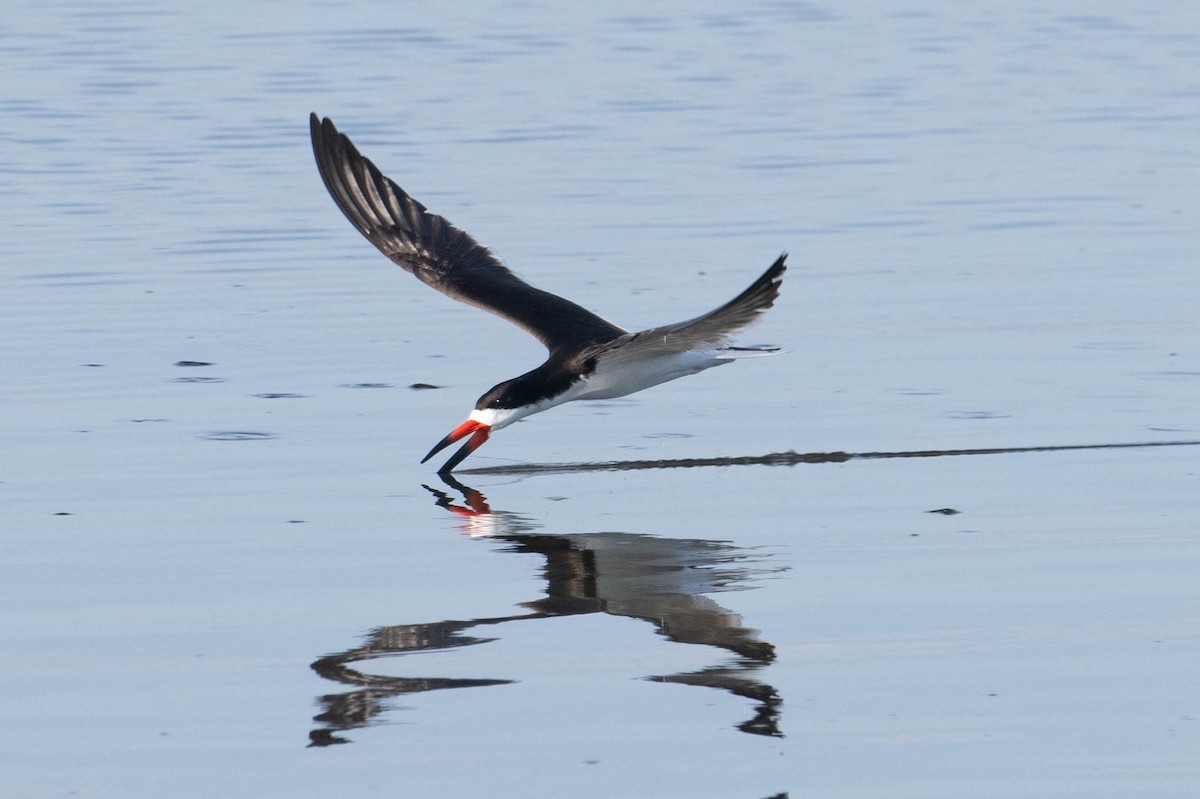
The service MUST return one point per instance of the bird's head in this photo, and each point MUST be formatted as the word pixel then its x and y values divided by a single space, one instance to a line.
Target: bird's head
pixel 504 404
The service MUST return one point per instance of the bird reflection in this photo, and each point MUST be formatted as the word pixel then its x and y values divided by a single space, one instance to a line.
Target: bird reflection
pixel 659 580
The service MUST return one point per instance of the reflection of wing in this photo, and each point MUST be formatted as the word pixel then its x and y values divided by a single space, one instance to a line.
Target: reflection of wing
pixel 690 619
pixel 663 581
pixel 357 708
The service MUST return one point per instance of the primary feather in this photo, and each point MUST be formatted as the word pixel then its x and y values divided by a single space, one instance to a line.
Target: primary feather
pixel 439 254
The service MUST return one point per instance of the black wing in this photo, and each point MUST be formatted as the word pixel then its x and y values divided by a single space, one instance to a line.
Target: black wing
pixel 441 255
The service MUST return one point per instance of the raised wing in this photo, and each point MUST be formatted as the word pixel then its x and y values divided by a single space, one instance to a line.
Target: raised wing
pixel 441 255
pixel 709 331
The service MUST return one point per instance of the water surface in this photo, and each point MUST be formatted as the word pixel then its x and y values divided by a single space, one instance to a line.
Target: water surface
pixel 224 573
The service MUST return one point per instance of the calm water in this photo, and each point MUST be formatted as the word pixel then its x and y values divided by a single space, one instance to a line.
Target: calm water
pixel 223 573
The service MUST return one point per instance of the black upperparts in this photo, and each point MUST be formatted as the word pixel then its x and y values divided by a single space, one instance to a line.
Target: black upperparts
pixel 547 381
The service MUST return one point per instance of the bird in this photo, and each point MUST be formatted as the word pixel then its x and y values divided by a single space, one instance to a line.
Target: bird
pixel 589 357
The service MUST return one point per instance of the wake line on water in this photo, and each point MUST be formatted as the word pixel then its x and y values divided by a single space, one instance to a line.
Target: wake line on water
pixel 791 458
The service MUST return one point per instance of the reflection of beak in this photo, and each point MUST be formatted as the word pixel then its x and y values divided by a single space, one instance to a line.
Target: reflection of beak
pixel 480 433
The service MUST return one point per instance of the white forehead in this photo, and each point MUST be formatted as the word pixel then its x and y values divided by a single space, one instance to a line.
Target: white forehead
pixel 495 418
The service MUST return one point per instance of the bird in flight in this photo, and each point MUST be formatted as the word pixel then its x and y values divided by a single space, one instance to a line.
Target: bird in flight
pixel 589 357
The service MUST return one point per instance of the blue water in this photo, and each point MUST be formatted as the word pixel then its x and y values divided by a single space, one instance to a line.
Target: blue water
pixel 224 573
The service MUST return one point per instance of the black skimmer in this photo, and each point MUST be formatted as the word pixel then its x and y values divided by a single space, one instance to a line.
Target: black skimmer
pixel 590 357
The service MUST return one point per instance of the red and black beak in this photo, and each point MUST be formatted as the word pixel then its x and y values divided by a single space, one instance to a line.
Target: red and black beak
pixel 479 433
